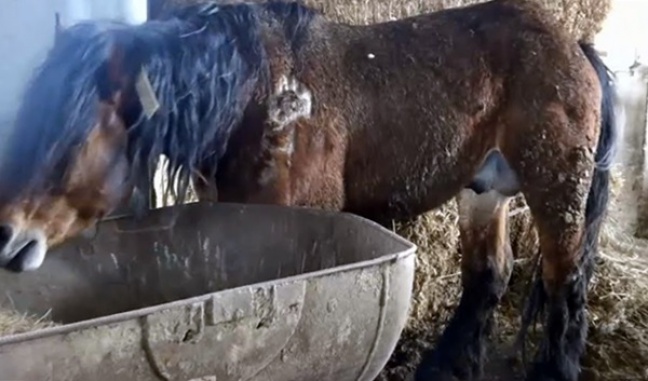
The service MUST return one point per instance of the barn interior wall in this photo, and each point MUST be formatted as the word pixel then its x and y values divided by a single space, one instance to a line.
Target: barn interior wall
pixel 27 31
pixel 624 41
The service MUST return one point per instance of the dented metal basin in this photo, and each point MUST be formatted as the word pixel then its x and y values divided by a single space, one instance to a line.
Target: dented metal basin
pixel 215 292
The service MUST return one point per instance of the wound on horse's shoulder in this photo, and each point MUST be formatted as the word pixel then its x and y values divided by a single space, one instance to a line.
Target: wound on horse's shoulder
pixel 290 101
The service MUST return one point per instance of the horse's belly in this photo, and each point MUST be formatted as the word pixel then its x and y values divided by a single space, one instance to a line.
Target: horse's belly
pixel 404 194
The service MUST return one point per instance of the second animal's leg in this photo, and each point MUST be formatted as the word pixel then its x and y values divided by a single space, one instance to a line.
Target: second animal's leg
pixel 486 265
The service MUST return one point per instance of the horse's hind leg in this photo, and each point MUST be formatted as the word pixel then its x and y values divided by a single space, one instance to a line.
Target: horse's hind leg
pixel 559 211
pixel 486 265
pixel 556 191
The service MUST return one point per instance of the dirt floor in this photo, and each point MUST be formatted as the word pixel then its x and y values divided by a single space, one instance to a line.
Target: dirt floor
pixel 400 368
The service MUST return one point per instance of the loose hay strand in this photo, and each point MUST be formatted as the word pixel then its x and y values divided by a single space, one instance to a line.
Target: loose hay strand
pixel 13 322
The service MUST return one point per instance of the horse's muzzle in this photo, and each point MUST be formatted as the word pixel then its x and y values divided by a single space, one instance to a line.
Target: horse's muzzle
pixel 21 251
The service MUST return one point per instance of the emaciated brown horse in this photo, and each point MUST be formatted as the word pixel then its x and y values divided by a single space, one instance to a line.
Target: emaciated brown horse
pixel 272 103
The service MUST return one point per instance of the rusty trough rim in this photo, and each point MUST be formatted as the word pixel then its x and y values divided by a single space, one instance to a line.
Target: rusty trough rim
pixel 409 251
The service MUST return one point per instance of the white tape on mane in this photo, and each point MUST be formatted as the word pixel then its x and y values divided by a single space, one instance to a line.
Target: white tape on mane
pixel 146 94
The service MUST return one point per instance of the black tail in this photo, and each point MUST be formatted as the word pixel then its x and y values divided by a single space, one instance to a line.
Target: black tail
pixel 598 197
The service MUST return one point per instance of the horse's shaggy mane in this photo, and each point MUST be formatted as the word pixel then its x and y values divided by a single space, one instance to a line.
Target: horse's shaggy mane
pixel 204 62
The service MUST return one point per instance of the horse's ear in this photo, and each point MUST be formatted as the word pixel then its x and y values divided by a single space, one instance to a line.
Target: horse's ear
pixel 58 28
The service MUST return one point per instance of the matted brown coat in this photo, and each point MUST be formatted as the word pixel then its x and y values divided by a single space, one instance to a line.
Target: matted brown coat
pixel 273 103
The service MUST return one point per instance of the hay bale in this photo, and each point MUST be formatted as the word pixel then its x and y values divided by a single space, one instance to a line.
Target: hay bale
pixel 581 18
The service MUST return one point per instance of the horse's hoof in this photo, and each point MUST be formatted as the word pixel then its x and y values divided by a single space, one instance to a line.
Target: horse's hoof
pixel 459 368
pixel 433 375
pixel 549 372
pixel 540 377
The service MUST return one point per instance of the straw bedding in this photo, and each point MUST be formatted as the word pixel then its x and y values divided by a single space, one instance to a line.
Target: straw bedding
pixel 618 298
pixel 13 322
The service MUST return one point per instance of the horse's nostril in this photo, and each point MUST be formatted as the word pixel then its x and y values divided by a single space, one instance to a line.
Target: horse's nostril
pixel 6 232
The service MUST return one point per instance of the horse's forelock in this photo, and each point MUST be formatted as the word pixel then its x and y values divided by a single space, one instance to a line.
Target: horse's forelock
pixel 57 109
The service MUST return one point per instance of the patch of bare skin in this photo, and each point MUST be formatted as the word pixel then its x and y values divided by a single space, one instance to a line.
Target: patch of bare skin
pixel 291 101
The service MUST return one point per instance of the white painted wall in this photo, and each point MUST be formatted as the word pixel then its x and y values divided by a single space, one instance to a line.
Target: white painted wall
pixel 27 31
pixel 624 39
pixel 625 34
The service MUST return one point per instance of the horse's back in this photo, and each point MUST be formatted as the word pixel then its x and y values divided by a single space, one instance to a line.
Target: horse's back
pixel 430 94
pixel 427 92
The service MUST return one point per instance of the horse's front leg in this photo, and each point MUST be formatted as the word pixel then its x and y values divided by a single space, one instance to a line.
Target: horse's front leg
pixel 486 266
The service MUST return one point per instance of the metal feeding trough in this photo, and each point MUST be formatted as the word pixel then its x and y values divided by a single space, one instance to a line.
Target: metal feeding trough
pixel 215 292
